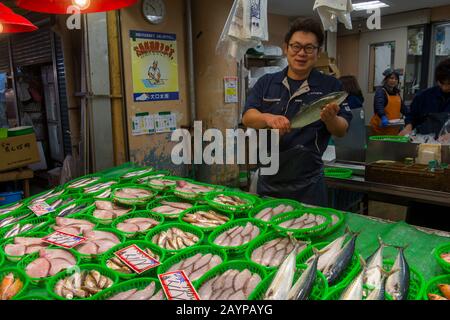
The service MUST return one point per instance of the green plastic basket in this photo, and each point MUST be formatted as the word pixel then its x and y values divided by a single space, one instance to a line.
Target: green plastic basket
pixel 139 284
pixel 445 248
pixel 186 228
pixel 330 228
pixel 416 282
pixel 35 221
pixel 143 180
pixel 2 258
pixel 190 252
pixel 319 290
pixel 196 196
pixel 231 265
pixel 17 274
pixel 136 171
pixel 141 244
pixel 69 184
pixel 130 201
pixel 203 208
pixel 338 173
pixel 89 267
pixel 89 258
pixel 273 204
pixel 239 209
pixel 309 232
pixel 22 265
pixel 15 259
pixel 432 286
pixel 399 139
pixel 346 277
pixel 137 214
pixel 169 198
pixel 239 250
pixel 260 241
pixel 108 222
pixel 168 188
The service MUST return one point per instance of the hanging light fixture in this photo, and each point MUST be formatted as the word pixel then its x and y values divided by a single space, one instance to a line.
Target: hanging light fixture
pixel 11 22
pixel 61 6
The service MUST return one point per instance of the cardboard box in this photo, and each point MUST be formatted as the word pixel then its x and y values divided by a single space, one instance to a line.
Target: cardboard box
pixel 17 152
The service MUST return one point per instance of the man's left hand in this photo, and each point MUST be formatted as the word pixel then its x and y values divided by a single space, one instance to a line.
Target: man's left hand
pixel 329 113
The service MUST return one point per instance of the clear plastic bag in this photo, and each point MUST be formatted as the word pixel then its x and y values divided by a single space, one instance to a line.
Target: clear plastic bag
pixel 444 135
pixel 332 11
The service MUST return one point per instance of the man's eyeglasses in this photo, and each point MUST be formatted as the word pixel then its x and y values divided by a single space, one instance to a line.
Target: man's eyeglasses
pixel 309 49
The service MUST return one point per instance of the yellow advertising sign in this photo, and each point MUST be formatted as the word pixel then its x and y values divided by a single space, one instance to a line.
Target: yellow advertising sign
pixel 154 66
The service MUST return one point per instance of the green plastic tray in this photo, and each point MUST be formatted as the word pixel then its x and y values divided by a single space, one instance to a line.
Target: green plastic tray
pixel 309 232
pixel 17 274
pixel 11 241
pixel 319 290
pixel 141 202
pixel 432 286
pixel 390 139
pixel 203 208
pixel 189 252
pixel 137 214
pixel 231 265
pixel 141 244
pixel 239 209
pixel 103 271
pixel 186 228
pixel 169 198
pixel 273 204
pixel 139 284
pixel 339 173
pixel 239 250
pixel 445 248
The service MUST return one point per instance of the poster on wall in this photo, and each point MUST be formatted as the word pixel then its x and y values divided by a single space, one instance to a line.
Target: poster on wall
pixel 154 66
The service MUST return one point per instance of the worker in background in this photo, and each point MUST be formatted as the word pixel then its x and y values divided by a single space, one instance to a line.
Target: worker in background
pixel 388 105
pixel 355 97
pixel 276 98
pixel 430 108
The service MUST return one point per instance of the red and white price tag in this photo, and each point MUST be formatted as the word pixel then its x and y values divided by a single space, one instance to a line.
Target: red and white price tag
pixel 177 286
pixel 135 258
pixel 41 208
pixel 64 240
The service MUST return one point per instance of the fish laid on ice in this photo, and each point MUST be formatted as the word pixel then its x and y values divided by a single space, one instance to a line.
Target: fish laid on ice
pixel 237 236
pixel 175 239
pixel 197 265
pixel 82 285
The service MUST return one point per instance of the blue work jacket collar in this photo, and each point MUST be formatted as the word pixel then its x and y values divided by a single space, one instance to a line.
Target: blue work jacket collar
pixel 313 79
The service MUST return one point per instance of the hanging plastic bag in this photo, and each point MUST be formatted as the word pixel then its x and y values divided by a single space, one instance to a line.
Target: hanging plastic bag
pixel 332 11
pixel 444 135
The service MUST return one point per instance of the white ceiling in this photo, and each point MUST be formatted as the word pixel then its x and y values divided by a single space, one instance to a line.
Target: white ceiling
pixel 305 7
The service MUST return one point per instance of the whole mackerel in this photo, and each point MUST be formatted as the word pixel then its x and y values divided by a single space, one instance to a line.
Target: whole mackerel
pixel 355 290
pixel 304 285
pixel 397 284
pixel 379 292
pixel 329 252
pixel 373 274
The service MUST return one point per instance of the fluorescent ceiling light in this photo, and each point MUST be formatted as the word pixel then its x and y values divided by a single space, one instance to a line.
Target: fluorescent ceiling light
pixel 369 5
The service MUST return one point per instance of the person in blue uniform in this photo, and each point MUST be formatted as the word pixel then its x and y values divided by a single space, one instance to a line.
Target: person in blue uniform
pixel 277 98
pixel 355 97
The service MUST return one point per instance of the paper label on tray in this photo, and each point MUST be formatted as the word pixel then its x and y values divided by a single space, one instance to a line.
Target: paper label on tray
pixel 41 208
pixel 135 258
pixel 62 239
pixel 177 286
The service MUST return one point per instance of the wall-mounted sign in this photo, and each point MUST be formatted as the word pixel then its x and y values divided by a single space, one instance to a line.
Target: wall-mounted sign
pixel 154 66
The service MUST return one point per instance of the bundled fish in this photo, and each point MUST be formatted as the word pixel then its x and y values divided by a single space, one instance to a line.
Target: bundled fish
pixel 148 293
pixel 49 263
pixel 82 285
pixel 50 194
pixel 11 208
pixel 274 252
pixel 175 239
pixel 268 213
pixel 444 289
pixel 106 210
pixel 73 226
pixel 205 219
pixel 72 209
pixel 18 229
pixel 135 174
pixel 145 180
pixel 230 200
pixel 237 236
pixel 117 265
pixel 82 183
pixel 197 265
pixel 446 257
pixel 162 183
pixel 171 209
pixel 306 221
pixel 10 286
pixel 98 242
pixel 135 225
pixel 99 187
pixel 24 246
pixel 397 284
pixel 230 285
pixel 130 196
pixel 14 219
pixel 187 187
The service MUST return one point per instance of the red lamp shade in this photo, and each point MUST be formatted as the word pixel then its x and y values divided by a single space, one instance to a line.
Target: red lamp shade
pixel 12 23
pixel 61 6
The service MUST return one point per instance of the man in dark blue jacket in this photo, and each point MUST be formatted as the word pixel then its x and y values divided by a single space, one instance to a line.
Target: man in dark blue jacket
pixel 430 108
pixel 277 98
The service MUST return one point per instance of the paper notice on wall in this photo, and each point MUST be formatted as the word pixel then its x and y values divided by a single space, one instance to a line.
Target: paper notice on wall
pixel 143 123
pixel 231 89
pixel 165 122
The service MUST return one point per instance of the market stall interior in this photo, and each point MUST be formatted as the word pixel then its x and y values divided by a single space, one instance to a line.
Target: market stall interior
pixel 115 166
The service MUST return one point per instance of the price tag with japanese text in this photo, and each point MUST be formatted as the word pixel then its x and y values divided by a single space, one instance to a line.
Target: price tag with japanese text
pixel 177 286
pixel 65 240
pixel 135 258
pixel 41 208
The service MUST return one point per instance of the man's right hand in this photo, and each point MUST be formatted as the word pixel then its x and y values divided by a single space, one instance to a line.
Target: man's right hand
pixel 278 122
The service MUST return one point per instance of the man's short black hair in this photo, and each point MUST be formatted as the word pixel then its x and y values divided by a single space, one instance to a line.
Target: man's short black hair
pixel 306 25
pixel 443 71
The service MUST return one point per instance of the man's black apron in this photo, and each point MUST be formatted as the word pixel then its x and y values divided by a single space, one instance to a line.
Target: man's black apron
pixel 433 123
